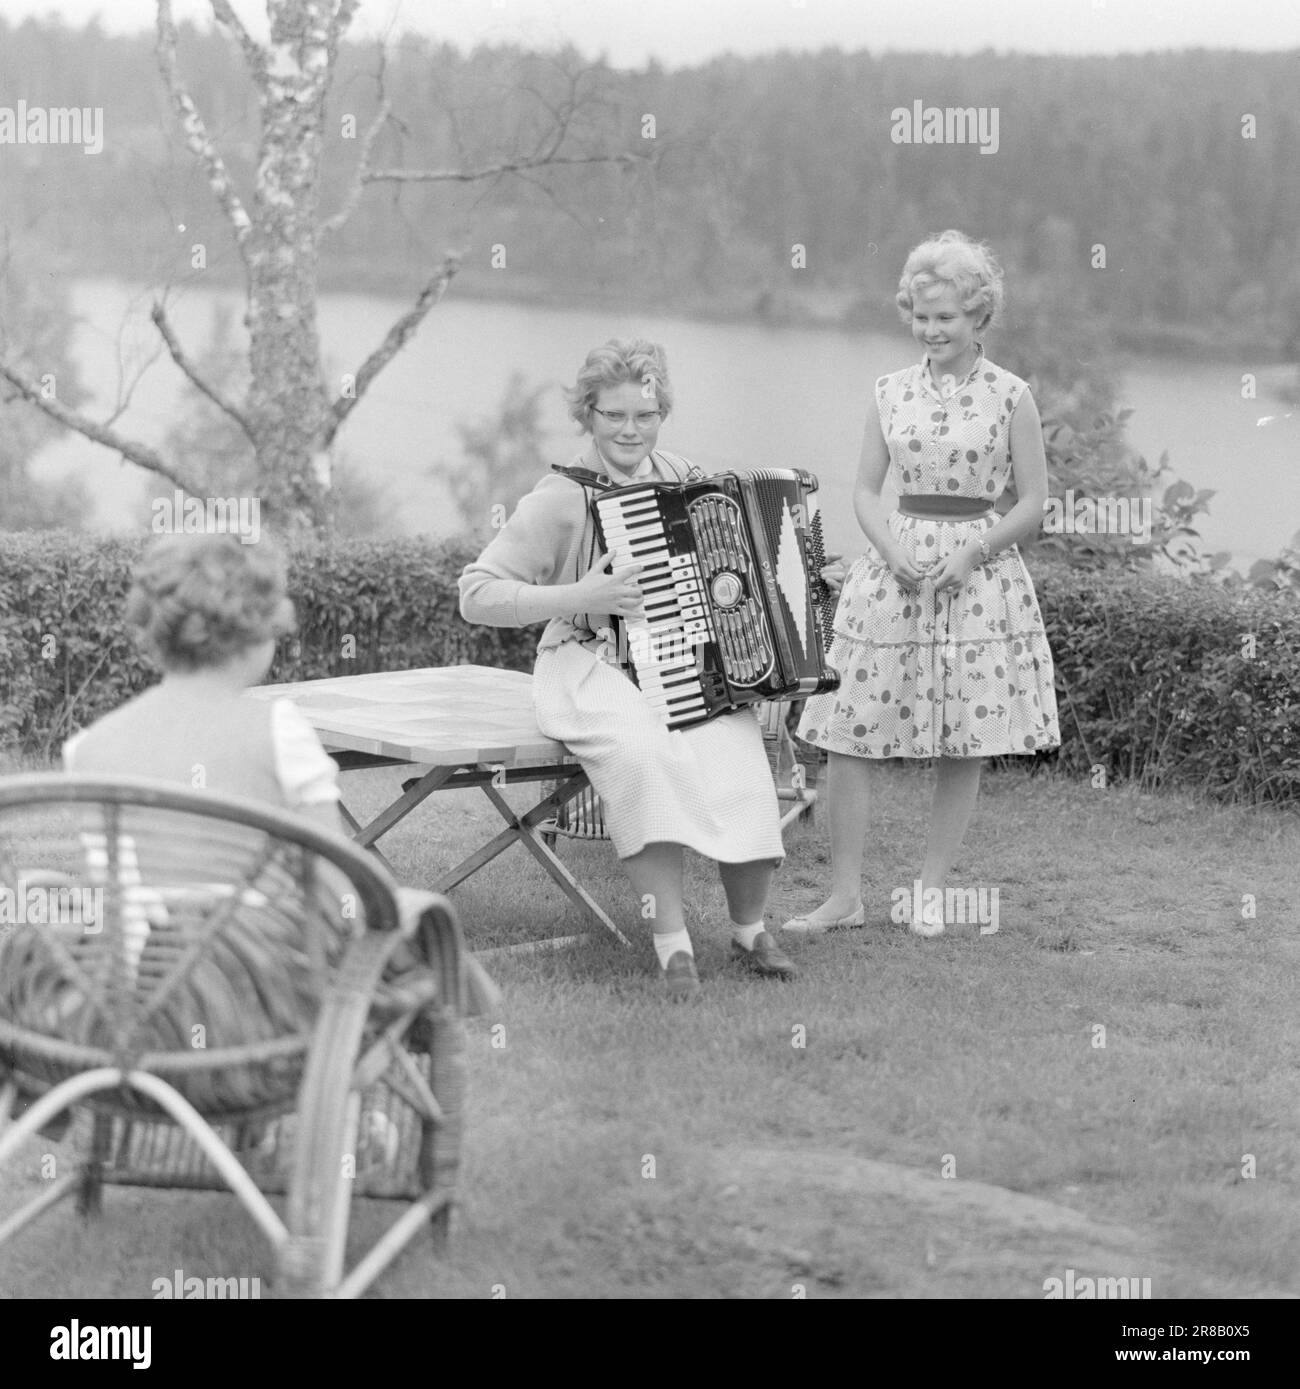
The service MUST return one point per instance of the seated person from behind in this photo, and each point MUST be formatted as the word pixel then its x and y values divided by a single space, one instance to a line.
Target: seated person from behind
pixel 210 609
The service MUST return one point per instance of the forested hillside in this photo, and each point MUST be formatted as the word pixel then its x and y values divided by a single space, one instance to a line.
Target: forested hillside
pixel 1184 167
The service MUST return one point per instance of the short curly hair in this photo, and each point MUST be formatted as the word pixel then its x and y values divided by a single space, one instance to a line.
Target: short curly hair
pixel 617 361
pixel 952 258
pixel 198 600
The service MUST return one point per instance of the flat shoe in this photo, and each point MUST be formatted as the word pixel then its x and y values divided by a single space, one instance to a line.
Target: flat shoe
pixel 680 979
pixel 815 926
pixel 926 927
pixel 764 957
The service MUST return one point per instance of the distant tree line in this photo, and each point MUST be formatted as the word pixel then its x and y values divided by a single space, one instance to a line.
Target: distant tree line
pixel 1158 193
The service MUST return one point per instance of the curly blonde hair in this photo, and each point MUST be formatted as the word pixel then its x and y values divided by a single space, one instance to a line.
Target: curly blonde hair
pixel 952 258
pixel 617 361
pixel 198 600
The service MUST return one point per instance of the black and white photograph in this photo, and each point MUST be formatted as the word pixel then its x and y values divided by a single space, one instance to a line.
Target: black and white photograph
pixel 650 651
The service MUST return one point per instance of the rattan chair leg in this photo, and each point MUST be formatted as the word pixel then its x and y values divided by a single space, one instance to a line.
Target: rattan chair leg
pixel 440 1140
pixel 53 1193
pixel 442 1228
pixel 390 1245
pixel 320 1184
pixel 53 1103
pixel 90 1193
pixel 228 1167
pixel 336 1223
pixel 16 1132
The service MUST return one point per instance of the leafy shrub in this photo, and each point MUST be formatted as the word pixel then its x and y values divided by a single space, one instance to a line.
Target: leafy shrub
pixel 1162 680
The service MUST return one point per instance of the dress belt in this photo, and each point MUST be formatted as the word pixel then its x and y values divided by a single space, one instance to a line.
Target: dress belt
pixel 937 506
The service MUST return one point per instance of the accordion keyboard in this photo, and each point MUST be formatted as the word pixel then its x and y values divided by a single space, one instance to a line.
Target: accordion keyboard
pixel 663 642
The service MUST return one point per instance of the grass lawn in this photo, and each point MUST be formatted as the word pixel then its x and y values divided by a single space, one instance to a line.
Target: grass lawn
pixel 908 1118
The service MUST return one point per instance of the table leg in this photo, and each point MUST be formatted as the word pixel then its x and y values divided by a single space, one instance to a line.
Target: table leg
pixel 354 825
pixel 523 828
pixel 400 808
pixel 526 831
pixel 804 802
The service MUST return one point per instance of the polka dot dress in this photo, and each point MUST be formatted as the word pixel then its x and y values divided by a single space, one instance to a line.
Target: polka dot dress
pixel 922 674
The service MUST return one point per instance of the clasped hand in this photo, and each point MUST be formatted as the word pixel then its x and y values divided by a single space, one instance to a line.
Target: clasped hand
pixel 949 575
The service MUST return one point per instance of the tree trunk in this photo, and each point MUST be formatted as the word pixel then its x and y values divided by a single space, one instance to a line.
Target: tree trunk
pixel 291 415
pixel 288 405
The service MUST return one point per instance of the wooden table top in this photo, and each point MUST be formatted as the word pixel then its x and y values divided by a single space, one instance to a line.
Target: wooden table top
pixel 444 715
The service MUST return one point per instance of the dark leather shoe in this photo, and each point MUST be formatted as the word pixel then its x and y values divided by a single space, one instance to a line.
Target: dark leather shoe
pixel 680 979
pixel 765 957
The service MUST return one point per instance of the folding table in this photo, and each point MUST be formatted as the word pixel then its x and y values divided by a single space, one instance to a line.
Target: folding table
pixel 467 726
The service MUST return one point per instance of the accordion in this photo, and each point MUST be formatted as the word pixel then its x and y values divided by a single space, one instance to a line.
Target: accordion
pixel 733 599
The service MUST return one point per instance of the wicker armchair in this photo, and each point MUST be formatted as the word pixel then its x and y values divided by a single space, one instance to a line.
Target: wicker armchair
pixel 222 995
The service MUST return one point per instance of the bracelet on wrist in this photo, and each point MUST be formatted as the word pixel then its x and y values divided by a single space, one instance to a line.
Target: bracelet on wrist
pixel 984 549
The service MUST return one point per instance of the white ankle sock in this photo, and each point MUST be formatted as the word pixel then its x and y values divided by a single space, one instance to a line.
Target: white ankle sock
pixel 746 935
pixel 668 943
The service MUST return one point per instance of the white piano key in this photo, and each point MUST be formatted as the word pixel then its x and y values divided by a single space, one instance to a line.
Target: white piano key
pixel 621 531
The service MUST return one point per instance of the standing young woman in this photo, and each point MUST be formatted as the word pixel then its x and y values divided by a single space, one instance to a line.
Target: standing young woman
pixel 939 640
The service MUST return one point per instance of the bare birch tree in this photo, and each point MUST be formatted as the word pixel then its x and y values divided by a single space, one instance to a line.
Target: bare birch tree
pixel 289 415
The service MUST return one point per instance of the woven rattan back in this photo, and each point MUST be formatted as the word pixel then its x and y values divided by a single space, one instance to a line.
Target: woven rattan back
pixel 192 934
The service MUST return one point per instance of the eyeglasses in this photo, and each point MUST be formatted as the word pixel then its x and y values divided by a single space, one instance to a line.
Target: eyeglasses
pixel 644 419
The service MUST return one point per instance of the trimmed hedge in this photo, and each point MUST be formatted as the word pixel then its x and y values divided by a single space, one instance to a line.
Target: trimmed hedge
pixel 1164 681
pixel 1158 682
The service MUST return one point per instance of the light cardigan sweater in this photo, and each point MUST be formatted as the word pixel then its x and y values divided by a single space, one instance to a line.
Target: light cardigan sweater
pixel 550 539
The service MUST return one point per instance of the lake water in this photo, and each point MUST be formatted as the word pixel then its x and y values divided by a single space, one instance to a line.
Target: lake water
pixel 745 397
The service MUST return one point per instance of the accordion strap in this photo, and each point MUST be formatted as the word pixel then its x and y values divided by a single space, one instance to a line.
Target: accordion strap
pixel 584 477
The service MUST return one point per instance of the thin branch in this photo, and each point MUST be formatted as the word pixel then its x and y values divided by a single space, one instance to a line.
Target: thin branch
pixel 492 170
pixel 197 138
pixel 124 397
pixel 342 21
pixel 1078 723
pixel 126 389
pixel 159 316
pixel 550 195
pixel 254 54
pixel 396 338
pixel 380 120
pixel 561 117
pixel 140 454
pixel 545 155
